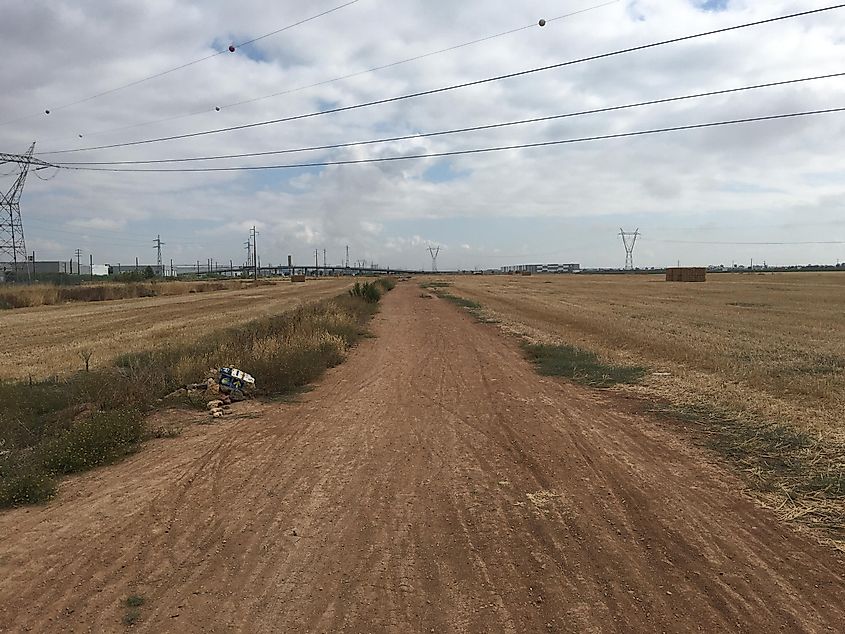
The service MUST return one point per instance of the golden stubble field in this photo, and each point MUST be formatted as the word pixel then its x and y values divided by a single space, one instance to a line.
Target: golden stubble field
pixel 47 340
pixel 770 347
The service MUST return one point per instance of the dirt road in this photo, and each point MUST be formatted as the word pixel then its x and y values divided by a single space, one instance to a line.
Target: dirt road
pixel 47 340
pixel 432 483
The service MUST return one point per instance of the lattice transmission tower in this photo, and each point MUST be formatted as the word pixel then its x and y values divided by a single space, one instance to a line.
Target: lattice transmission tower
pixel 157 244
pixel 12 243
pixel 629 241
pixel 434 252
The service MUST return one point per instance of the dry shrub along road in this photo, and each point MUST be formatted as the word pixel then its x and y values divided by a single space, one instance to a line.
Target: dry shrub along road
pixel 47 340
pixel 769 346
pixel 433 482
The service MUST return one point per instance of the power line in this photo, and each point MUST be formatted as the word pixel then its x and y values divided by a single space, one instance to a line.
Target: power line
pixel 452 87
pixel 96 234
pixel 231 48
pixel 519 146
pixel 751 243
pixel 422 56
pixel 462 130
pixel 125 241
pixel 351 75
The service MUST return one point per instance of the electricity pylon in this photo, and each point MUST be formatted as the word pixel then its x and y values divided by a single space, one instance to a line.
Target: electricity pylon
pixel 157 246
pixel 12 243
pixel 434 252
pixel 629 240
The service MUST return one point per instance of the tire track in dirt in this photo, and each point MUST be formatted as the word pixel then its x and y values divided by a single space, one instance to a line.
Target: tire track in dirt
pixel 432 482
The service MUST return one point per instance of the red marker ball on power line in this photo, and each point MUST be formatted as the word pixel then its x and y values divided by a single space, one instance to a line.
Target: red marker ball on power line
pixel 231 48
pixel 542 23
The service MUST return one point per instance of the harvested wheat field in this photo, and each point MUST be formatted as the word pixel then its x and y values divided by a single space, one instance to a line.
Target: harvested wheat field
pixel 768 346
pixel 47 340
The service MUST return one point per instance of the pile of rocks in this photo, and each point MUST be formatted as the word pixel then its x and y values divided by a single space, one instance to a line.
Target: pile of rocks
pixel 218 408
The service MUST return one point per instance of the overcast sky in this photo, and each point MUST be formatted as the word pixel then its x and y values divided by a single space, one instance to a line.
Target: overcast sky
pixel 778 181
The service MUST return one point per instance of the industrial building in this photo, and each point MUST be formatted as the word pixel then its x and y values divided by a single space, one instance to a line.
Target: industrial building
pixel 542 268
pixel 46 267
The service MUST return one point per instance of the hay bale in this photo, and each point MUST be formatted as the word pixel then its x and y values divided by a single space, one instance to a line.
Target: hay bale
pixel 686 274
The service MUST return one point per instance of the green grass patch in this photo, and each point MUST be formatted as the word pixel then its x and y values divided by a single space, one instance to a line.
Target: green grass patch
pixel 580 365
pixel 460 301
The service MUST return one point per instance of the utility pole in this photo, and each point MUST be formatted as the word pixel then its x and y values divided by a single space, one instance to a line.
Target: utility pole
pixel 347 256
pixel 91 265
pixel 324 259
pixel 11 225
pixel 255 252
pixel 78 254
pixel 434 252
pixel 158 244
pixel 316 261
pixel 629 240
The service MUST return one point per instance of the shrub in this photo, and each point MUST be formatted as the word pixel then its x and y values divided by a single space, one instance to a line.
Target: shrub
pixel 25 486
pixel 368 291
pixel 99 439
pixel 386 283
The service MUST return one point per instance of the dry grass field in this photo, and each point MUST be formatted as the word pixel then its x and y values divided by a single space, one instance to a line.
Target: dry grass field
pixel 768 347
pixel 27 296
pixel 48 340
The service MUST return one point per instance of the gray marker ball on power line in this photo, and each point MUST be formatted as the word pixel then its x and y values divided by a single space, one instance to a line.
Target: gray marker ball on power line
pixel 542 23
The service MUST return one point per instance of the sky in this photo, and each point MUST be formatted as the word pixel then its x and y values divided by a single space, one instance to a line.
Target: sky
pixel 698 197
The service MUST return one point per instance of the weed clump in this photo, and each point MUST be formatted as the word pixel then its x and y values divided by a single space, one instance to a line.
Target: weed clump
pixel 580 365
pixel 368 291
pixel 372 291
pixel 134 601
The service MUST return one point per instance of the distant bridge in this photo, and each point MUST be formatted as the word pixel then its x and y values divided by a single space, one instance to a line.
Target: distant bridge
pixel 287 271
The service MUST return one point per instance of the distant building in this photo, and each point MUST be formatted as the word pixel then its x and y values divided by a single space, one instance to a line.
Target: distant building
pixel 542 268
pixel 46 266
